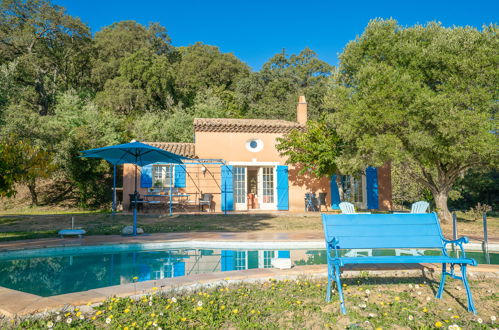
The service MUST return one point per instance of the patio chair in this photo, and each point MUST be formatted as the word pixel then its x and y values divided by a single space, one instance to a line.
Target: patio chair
pixel 322 200
pixel 347 208
pixel 205 199
pixel 310 202
pixel 420 207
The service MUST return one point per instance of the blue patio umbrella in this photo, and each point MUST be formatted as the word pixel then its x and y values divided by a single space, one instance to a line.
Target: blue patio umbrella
pixel 137 153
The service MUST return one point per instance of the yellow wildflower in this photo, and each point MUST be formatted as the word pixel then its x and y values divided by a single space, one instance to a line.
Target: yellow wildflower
pixel 134 324
pixel 397 298
pixel 425 310
pixel 318 285
pixel 153 315
pixel 93 317
pixel 67 314
pixel 78 314
pixel 298 302
pixel 438 324
pixel 77 309
pixel 455 316
pixel 135 278
pixel 222 307
pixel 149 323
pixel 199 308
pixel 183 319
pixel 98 313
pixel 227 278
pixel 379 328
pixel 235 311
pixel 253 311
pixel 110 308
pixel 125 328
pixel 110 316
pixel 154 289
pixel 167 306
pixel 126 310
pixel 88 304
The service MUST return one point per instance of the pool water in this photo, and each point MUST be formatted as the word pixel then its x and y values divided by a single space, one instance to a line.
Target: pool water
pixel 74 271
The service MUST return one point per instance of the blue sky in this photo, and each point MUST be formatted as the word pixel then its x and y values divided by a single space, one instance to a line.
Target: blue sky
pixel 256 30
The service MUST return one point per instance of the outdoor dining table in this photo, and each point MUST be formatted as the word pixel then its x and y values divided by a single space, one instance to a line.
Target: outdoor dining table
pixel 178 204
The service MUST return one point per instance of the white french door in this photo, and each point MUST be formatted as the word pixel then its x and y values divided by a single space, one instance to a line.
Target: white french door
pixel 266 188
pixel 240 193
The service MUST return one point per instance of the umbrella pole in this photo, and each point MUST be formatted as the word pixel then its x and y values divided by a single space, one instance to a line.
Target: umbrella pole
pixel 171 181
pixel 135 202
pixel 114 189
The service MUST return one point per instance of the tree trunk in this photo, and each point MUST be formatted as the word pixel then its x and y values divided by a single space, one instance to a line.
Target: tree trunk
pixel 442 209
pixel 32 190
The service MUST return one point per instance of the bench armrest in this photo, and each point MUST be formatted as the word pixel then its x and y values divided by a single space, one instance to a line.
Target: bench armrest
pixel 460 241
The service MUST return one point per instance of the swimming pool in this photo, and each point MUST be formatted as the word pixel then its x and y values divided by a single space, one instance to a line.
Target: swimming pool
pixel 55 271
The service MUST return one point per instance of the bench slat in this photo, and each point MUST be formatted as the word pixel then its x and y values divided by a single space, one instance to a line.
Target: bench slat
pixel 379 219
pixel 389 242
pixel 405 260
pixel 385 230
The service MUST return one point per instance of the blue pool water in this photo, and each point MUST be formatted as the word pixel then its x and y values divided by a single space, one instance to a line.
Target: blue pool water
pixel 48 272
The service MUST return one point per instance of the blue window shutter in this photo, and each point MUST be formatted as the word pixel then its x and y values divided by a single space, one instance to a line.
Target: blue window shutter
pixel 282 188
pixel 372 188
pixel 283 254
pixel 179 176
pixel 146 176
pixel 335 194
pixel 227 188
pixel 179 269
pixel 228 262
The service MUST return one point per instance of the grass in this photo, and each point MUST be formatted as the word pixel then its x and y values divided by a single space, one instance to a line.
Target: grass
pixel 30 226
pixel 372 303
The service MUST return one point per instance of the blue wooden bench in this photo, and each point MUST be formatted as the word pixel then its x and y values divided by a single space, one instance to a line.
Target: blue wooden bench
pixel 389 231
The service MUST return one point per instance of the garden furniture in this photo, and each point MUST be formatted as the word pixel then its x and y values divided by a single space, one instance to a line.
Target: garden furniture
pixel 347 208
pixel 205 199
pixel 419 207
pixel 322 200
pixel 390 231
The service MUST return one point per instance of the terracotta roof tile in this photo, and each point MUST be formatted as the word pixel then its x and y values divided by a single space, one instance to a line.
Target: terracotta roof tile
pixel 245 125
pixel 180 148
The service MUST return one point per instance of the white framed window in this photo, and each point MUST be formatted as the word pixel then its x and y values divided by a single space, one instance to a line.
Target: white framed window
pixel 354 191
pixel 268 184
pixel 162 175
pixel 241 260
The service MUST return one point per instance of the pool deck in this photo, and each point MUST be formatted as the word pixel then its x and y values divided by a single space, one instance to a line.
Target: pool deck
pixel 312 237
pixel 17 304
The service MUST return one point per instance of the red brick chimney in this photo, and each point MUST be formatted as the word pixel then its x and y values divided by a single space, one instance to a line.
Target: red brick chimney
pixel 301 110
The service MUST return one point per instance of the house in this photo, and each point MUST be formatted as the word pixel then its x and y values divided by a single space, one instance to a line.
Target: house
pixel 241 167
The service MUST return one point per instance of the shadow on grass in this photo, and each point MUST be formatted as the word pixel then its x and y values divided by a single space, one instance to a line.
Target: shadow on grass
pixel 42 226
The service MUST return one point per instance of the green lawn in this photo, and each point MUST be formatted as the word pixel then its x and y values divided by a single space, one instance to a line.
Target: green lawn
pixel 372 302
pixel 26 226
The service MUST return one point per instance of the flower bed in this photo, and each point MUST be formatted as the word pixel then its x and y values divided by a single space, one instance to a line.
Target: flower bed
pixel 372 302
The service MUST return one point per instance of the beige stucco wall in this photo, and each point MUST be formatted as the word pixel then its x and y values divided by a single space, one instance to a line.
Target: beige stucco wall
pixel 231 147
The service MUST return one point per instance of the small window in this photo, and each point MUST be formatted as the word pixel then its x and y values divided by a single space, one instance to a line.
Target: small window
pixel 254 145
pixel 162 176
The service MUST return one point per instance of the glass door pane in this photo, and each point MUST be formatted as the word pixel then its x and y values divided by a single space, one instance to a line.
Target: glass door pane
pixel 240 188
pixel 267 198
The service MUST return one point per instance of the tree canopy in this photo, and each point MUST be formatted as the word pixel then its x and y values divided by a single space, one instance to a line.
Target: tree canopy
pixel 423 96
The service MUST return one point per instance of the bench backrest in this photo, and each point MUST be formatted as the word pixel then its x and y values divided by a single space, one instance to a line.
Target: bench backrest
pixel 383 231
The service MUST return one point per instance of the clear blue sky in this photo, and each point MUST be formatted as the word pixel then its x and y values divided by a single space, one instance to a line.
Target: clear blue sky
pixel 255 30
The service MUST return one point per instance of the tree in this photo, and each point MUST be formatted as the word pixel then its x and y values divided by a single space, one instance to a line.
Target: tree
pixel 425 96
pixel 49 49
pixel 272 92
pixel 204 66
pixel 118 41
pixel 315 150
